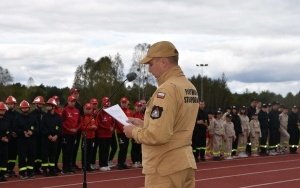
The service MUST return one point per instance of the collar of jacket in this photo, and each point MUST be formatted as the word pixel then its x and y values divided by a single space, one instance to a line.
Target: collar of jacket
pixel 171 73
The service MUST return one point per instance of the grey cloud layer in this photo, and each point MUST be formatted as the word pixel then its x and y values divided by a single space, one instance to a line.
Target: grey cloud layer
pixel 251 41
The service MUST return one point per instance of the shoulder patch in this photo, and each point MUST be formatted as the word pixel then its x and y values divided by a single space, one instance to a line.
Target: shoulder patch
pixel 161 95
pixel 156 112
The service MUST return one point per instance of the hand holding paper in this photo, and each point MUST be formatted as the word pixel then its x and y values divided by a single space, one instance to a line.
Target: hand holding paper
pixel 117 113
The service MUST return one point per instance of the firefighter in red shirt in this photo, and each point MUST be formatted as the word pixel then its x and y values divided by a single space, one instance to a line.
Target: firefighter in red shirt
pixel 71 124
pixel 123 140
pixel 136 150
pixel 106 126
pixel 94 103
pixel 88 125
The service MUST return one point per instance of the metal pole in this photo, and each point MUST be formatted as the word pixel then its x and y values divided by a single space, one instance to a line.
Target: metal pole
pixel 201 92
pixel 201 82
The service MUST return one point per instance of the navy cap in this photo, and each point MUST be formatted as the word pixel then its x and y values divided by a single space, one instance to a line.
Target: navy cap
pixel 264 105
pixel 275 103
pixel 229 116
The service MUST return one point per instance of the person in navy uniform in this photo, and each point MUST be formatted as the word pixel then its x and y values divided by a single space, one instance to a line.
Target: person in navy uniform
pixel 26 127
pixel 263 119
pixel 293 130
pixel 274 129
pixel 4 138
pixel 50 131
pixel 199 133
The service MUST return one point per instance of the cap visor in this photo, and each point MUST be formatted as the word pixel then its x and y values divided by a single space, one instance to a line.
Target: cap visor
pixel 145 60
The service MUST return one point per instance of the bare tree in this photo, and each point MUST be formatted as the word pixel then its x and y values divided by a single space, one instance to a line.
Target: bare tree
pixel 144 77
pixel 5 77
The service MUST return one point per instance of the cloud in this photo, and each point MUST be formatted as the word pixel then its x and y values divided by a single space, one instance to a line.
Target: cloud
pixel 255 43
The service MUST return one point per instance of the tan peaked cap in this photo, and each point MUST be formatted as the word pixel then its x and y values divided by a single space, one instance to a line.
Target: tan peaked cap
pixel 160 49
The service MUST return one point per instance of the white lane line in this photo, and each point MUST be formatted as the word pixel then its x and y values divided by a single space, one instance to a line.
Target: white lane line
pixel 277 182
pixel 250 164
pixel 245 174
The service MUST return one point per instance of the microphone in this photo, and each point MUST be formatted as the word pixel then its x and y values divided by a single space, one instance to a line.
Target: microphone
pixel 131 76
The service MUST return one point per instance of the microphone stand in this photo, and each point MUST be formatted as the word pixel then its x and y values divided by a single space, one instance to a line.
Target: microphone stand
pixel 84 185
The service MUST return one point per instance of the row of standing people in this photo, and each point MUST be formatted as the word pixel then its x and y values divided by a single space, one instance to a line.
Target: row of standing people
pixel 258 130
pixel 37 137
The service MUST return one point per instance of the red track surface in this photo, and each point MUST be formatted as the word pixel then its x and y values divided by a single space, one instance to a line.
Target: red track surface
pixel 275 171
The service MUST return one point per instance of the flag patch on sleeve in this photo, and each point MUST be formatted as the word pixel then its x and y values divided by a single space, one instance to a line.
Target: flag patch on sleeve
pixel 161 95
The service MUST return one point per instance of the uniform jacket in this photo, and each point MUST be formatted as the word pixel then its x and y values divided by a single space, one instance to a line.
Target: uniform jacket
pixel 254 128
pixel 51 124
pixel 263 119
pixel 106 125
pixel 4 128
pixel 283 118
pixel 38 114
pixel 168 126
pixel 202 115
pixel 274 119
pixel 250 111
pixel 237 123
pixel 216 127
pixel 244 123
pixel 26 122
pixel 128 113
pixel 70 119
pixel 229 130
pixel 10 116
pixel 292 121
pixel 86 124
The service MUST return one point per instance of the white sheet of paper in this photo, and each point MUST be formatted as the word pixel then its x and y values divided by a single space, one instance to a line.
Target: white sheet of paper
pixel 116 112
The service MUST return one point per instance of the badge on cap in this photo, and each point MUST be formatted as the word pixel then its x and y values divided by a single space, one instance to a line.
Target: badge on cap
pixel 161 95
pixel 156 112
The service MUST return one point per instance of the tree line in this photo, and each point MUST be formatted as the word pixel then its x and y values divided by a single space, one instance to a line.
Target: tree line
pixel 99 78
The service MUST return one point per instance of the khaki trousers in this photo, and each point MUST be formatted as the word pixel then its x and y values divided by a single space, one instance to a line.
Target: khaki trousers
pixel 181 179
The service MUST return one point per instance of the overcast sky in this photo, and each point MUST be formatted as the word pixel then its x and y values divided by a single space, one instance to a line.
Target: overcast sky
pixel 255 43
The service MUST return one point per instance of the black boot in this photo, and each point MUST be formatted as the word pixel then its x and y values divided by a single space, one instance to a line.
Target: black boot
pixel 2 178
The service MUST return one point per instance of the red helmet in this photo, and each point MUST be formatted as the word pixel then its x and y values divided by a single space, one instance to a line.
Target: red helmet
pixel 11 99
pixel 3 106
pixel 52 101
pixel 55 97
pixel 38 100
pixel 24 104
pixel 94 101
pixel 105 102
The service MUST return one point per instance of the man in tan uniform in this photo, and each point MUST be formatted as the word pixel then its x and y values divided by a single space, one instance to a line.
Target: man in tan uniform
pixel 166 132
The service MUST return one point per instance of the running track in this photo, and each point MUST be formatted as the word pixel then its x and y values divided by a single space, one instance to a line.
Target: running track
pixel 271 171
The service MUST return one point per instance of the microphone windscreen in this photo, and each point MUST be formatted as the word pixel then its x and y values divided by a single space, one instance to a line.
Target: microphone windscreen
pixel 131 76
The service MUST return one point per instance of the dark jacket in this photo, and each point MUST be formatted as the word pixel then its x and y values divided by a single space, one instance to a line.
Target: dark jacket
pixel 263 119
pixel 4 128
pixel 25 122
pixel 274 119
pixel 51 125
